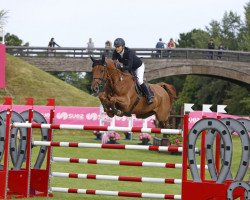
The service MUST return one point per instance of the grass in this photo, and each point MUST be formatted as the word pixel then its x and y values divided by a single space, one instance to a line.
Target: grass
pixel 108 154
pixel 132 155
pixel 24 80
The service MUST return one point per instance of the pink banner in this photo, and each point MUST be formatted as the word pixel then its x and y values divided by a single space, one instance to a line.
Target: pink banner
pixel 2 66
pixel 197 115
pixel 81 115
pixel 91 116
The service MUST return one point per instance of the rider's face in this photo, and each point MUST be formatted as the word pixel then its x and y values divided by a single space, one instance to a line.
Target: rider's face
pixel 119 49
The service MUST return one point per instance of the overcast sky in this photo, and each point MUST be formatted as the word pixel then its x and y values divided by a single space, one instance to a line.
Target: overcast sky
pixel 140 22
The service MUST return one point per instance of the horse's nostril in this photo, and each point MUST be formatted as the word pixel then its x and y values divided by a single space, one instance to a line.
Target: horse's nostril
pixel 95 89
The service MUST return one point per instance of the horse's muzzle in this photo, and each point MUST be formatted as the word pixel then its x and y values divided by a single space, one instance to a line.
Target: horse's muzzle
pixel 95 90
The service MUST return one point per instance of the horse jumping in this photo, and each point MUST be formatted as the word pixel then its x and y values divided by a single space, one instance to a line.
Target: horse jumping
pixel 121 96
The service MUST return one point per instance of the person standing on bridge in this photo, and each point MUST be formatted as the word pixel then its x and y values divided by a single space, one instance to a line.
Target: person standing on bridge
pixel 90 46
pixel 220 48
pixel 108 48
pixel 170 45
pixel 159 45
pixel 211 46
pixel 129 61
pixel 52 43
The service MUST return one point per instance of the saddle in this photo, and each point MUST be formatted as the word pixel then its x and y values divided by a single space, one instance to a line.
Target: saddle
pixel 138 87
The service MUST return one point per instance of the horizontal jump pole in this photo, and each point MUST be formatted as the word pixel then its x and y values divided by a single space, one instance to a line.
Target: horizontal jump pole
pixel 115 193
pixel 117 178
pixel 119 162
pixel 110 146
pixel 97 128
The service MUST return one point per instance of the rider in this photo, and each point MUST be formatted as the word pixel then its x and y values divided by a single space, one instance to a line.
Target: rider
pixel 132 63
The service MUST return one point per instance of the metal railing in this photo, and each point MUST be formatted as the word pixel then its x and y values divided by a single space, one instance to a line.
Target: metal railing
pixel 146 53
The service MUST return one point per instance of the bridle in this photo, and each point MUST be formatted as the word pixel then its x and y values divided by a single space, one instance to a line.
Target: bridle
pixel 103 73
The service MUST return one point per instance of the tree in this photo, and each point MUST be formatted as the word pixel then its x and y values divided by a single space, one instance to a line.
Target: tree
pixel 12 40
pixel 210 90
pixel 215 31
pixel 238 100
pixel 227 31
pixel 77 79
pixel 197 38
pixel 3 18
pixel 245 31
pixel 231 25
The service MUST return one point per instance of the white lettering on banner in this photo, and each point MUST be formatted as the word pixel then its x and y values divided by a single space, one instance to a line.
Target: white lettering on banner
pixel 92 116
pixel 65 116
pixel 62 115
pixel 193 120
pixel 76 116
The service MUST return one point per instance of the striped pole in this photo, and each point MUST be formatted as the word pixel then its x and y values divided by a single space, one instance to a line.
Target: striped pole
pixel 117 178
pixel 110 146
pixel 119 162
pixel 99 128
pixel 116 193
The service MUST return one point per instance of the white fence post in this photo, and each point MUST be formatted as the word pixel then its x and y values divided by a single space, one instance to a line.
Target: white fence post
pixel 2 34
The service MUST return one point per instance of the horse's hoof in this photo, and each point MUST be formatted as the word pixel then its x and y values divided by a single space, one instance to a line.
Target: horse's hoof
pixel 119 113
pixel 110 115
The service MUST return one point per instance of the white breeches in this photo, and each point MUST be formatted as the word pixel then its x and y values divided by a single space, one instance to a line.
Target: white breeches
pixel 140 73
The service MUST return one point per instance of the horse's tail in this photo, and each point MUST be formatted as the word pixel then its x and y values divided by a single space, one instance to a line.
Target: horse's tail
pixel 170 90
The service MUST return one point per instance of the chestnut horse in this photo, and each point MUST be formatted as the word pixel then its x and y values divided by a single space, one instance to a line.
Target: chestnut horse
pixel 120 95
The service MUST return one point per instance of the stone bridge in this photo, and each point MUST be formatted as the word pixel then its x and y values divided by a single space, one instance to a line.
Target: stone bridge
pixel 233 65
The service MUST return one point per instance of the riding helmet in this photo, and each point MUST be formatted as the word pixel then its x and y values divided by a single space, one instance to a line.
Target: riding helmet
pixel 119 42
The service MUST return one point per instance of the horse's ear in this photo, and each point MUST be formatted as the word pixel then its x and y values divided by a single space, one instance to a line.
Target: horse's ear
pixel 103 58
pixel 93 60
pixel 104 61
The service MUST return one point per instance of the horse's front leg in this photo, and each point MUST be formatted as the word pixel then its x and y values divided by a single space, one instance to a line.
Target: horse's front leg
pixel 111 104
pixel 122 102
pixel 106 104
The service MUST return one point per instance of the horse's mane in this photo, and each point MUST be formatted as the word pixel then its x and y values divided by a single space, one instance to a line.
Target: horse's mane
pixel 110 62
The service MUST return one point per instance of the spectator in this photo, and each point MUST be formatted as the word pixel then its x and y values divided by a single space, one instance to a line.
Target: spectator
pixel 170 45
pixel 108 47
pixel 52 43
pixel 220 48
pixel 159 45
pixel 90 46
pixel 210 46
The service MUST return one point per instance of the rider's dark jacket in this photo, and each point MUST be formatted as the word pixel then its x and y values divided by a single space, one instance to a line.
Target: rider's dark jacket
pixel 129 60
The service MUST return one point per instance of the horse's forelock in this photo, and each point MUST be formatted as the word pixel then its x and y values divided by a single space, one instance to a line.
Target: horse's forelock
pixel 98 62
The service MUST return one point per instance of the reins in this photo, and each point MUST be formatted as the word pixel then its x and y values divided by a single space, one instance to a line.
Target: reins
pixel 102 79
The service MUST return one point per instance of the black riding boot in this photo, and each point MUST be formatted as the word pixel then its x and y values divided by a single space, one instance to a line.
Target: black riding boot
pixel 147 93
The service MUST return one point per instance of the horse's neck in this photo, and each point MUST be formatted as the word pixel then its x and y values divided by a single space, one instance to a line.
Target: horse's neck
pixel 120 81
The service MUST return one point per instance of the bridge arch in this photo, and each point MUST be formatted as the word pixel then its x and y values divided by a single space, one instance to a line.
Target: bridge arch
pixel 237 71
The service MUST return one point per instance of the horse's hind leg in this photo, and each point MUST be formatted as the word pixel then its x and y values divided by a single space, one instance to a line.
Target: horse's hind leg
pixel 162 119
pixel 163 124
